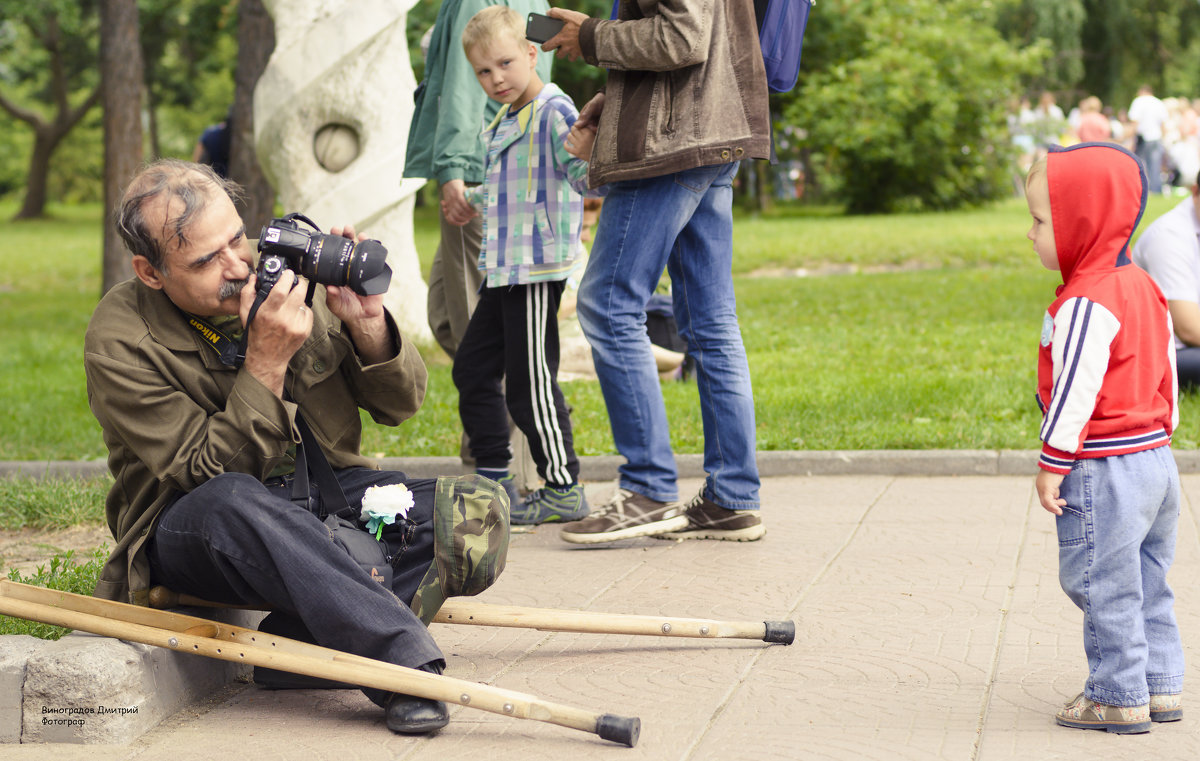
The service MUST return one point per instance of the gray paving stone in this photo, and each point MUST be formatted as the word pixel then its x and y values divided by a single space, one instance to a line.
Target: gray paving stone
pixel 930 625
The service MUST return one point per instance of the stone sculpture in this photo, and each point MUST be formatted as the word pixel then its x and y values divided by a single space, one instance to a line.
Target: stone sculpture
pixel 331 117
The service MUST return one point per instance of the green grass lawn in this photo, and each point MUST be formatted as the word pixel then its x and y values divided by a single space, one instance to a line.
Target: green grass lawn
pixel 931 345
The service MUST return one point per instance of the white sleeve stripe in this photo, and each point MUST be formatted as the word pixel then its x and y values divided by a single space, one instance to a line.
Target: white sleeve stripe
pixel 1080 363
pixel 1062 386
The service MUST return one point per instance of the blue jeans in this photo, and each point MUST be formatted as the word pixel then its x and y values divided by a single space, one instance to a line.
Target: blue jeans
pixel 1116 541
pixel 683 223
pixel 1151 154
pixel 1187 366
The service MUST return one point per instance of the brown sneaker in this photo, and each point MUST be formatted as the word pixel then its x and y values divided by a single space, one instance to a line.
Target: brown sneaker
pixel 626 515
pixel 708 520
pixel 1166 707
pixel 1082 713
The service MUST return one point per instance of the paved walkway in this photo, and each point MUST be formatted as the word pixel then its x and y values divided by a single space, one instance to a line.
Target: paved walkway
pixel 930 625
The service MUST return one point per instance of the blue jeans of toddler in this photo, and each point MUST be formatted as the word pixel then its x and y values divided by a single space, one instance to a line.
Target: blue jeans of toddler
pixel 1116 541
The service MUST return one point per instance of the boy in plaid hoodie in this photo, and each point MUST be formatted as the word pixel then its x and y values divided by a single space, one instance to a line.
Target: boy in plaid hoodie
pixel 533 216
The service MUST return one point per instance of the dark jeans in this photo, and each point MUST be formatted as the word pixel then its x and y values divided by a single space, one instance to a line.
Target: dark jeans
pixel 235 540
pixel 1187 365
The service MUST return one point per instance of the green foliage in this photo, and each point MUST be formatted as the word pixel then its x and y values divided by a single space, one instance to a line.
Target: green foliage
pixel 77 169
pixel 48 52
pixel 65 574
pixel 33 29
pixel 1058 25
pixel 906 108
pixel 1108 48
pixel 16 141
pixel 190 53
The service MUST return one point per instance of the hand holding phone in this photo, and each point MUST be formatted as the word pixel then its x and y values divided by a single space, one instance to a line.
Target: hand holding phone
pixel 539 28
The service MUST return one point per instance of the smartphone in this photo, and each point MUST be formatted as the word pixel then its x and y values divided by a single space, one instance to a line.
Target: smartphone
pixel 539 28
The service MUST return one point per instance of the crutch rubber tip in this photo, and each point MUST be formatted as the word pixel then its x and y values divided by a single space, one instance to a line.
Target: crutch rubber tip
pixel 783 632
pixel 619 729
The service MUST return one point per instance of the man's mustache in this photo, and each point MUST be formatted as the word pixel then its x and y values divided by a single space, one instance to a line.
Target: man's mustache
pixel 232 288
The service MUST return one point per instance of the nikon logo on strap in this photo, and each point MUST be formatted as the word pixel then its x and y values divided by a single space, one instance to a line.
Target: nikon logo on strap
pixel 232 353
pixel 207 331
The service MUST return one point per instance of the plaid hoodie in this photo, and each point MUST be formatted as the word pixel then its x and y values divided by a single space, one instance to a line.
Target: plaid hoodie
pixel 531 193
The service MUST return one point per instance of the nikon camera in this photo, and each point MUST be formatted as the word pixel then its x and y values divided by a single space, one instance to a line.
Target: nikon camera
pixel 325 259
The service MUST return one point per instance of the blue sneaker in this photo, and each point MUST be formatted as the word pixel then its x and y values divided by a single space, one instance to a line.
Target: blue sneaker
pixel 551 504
pixel 509 483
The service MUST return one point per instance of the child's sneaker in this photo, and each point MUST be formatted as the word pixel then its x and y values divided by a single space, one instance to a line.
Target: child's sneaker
pixel 550 504
pixel 515 499
pixel 1082 713
pixel 708 520
pixel 1166 707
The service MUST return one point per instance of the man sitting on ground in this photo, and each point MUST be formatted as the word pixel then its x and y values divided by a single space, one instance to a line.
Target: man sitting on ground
pixel 204 448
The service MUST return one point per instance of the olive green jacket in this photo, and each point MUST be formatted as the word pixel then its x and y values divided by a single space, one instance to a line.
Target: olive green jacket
pixel 173 416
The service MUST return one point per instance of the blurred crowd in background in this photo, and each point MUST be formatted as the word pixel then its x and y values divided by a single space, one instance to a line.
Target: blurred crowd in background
pixel 1164 133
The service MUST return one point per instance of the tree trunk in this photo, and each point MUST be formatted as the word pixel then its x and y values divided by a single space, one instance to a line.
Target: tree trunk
pixel 34 205
pixel 121 79
pixel 256 42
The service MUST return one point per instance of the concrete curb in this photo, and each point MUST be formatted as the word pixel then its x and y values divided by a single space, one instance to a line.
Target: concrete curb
pixel 87 689
pixel 860 462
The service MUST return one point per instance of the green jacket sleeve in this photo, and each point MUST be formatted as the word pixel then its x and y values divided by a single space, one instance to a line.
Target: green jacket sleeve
pixel 460 106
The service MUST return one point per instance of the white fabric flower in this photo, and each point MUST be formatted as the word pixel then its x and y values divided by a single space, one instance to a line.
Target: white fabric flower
pixel 382 505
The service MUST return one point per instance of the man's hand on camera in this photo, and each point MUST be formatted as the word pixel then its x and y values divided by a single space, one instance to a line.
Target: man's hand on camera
pixel 281 325
pixel 363 316
pixel 566 42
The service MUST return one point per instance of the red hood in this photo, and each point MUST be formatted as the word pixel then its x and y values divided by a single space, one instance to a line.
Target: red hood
pixel 1097 196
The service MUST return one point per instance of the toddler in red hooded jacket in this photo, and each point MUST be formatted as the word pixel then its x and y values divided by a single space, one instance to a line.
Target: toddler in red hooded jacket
pixel 1107 389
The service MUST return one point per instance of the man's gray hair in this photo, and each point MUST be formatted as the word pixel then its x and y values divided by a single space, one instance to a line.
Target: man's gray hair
pixel 192 184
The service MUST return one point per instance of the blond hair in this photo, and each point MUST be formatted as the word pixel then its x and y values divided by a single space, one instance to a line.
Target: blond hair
pixel 492 23
pixel 1037 170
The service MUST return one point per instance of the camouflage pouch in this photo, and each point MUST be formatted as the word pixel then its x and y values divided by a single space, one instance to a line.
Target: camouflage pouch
pixel 470 545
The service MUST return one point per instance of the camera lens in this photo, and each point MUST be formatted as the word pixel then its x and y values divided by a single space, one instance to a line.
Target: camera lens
pixel 369 273
pixel 334 260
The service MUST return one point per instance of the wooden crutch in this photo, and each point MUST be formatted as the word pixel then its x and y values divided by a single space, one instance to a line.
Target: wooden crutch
pixel 201 636
pixel 474 613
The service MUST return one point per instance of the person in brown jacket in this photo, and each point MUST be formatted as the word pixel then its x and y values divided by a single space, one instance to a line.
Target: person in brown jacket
pixel 203 449
pixel 685 102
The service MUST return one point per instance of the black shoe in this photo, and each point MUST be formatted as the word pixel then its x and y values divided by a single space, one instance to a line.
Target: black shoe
pixel 408 715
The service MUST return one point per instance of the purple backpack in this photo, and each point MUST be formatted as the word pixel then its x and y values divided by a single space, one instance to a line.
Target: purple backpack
pixel 781 26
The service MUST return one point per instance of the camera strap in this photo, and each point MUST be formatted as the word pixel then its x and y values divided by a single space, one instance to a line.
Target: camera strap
pixel 310 458
pixel 232 353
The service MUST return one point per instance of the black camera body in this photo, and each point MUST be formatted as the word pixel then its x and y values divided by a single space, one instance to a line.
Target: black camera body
pixel 322 258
